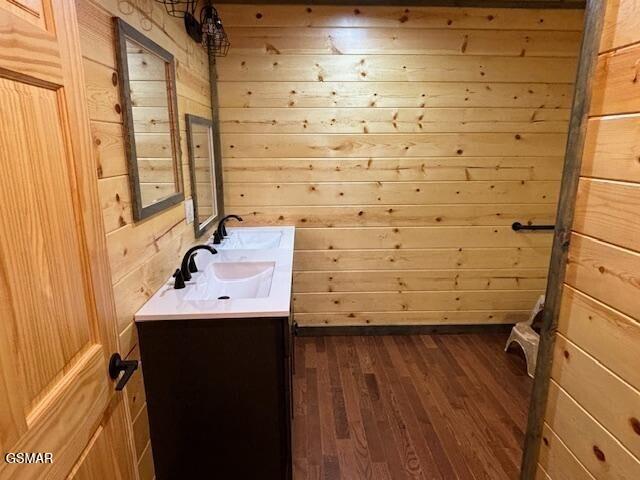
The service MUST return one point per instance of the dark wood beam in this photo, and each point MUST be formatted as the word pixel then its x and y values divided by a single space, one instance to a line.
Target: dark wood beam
pixel 569 186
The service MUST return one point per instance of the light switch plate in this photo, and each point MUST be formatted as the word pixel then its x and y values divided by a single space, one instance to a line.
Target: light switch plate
pixel 188 210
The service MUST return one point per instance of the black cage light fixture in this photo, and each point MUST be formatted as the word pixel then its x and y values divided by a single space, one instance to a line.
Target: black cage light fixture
pixel 214 38
pixel 179 8
pixel 208 30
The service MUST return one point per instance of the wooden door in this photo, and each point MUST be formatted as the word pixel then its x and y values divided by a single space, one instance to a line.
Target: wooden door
pixel 57 327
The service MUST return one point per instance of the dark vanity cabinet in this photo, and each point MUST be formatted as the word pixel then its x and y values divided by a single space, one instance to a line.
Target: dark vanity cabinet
pixel 219 397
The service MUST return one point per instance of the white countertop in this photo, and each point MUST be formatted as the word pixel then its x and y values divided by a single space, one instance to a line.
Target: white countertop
pixel 171 304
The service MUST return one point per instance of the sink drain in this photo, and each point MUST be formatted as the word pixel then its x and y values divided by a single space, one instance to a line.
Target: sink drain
pixel 224 297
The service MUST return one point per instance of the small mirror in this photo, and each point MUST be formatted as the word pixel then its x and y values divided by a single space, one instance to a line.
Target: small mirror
pixel 206 173
pixel 148 91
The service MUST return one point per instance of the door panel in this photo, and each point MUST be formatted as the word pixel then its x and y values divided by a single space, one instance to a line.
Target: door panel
pixel 40 239
pixel 104 457
pixel 30 10
pixel 58 324
pixel 26 41
pixel 64 421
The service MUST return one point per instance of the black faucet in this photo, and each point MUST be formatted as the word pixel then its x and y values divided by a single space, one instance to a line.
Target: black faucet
pixel 221 231
pixel 189 265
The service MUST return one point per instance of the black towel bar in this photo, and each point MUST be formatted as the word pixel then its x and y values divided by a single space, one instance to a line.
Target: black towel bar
pixel 517 226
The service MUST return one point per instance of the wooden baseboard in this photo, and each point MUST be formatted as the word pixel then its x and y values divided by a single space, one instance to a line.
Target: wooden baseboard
pixel 301 331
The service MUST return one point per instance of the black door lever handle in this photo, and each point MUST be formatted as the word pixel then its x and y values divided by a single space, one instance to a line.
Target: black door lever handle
pixel 117 365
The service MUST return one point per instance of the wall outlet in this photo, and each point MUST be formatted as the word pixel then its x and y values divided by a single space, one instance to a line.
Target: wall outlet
pixel 188 210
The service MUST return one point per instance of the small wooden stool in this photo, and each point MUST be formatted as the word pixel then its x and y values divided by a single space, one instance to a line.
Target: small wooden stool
pixel 524 335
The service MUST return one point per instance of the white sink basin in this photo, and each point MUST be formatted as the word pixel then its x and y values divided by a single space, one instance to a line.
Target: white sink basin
pixel 249 277
pixel 252 240
pixel 233 280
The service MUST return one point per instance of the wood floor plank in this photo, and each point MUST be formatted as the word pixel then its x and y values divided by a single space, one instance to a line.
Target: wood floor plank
pixel 419 391
pixel 367 442
pixel 347 459
pixel 449 407
pixel 313 437
pixel 409 457
pixel 494 417
pixel 376 451
pixel 461 422
pixel 325 401
pixel 371 399
pixel 341 421
pixel 397 372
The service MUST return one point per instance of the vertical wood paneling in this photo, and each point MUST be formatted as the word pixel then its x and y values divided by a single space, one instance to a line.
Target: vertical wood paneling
pixel 400 142
pixel 593 412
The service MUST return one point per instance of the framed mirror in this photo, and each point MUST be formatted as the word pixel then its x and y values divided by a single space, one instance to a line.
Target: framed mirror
pixel 150 109
pixel 206 173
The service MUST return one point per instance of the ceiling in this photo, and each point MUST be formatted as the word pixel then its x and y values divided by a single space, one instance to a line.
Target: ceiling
pixel 455 3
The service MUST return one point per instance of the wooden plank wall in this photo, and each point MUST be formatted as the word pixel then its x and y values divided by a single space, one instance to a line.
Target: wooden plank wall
pixel 592 423
pixel 402 142
pixel 142 255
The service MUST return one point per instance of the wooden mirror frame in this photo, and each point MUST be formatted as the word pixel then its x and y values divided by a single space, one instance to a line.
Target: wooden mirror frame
pixel 198 228
pixel 125 31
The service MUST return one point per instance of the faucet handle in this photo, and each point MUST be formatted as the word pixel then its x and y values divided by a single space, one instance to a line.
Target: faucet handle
pixel 216 238
pixel 179 283
pixel 192 263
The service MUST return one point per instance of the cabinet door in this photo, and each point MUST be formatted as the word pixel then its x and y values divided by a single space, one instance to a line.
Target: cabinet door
pixel 215 394
pixel 57 325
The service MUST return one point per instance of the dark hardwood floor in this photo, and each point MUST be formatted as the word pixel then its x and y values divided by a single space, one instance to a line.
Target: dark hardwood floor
pixel 408 407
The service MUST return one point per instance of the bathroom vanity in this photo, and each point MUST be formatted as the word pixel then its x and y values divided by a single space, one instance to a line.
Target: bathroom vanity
pixel 217 362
